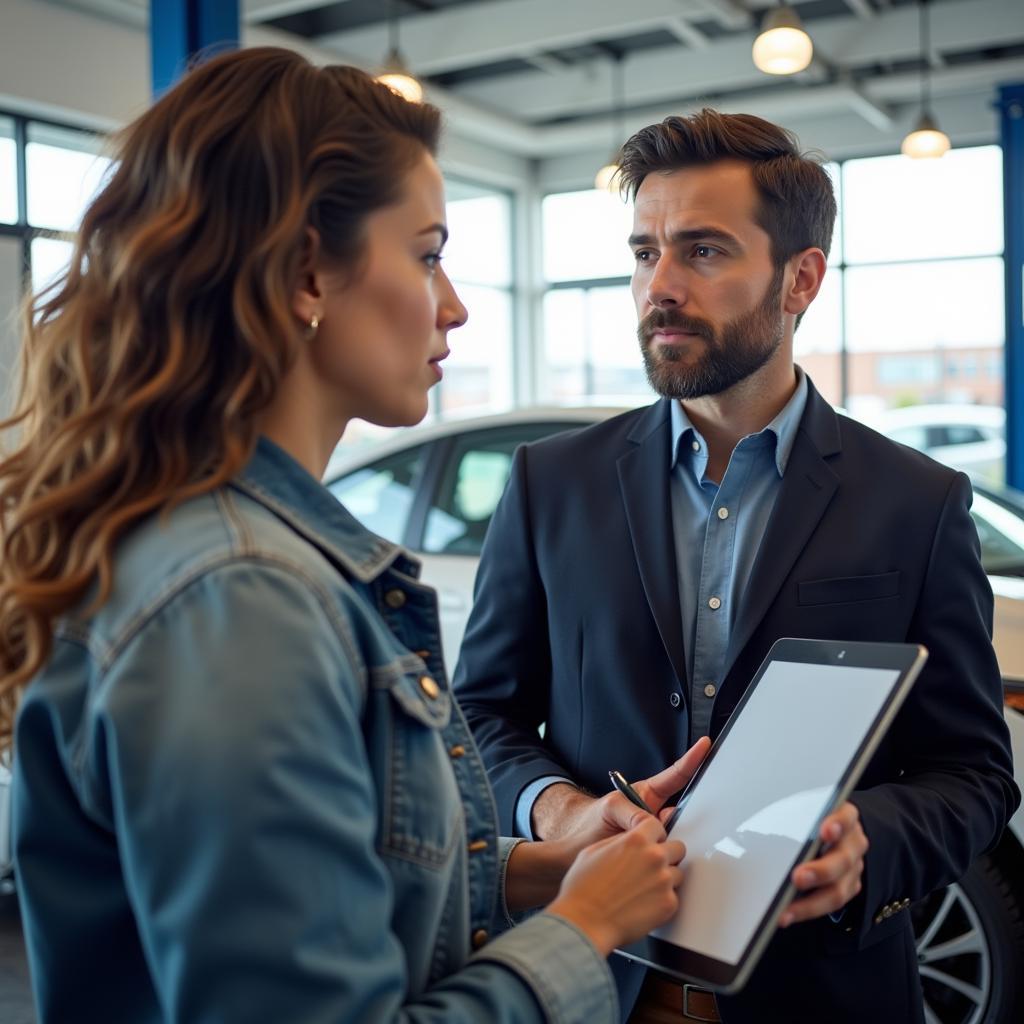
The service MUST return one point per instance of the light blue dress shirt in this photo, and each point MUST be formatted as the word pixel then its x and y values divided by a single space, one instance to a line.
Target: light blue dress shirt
pixel 717 529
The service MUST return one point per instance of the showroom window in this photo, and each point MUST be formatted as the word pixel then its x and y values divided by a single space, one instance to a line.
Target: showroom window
pixel 911 310
pixel 48 174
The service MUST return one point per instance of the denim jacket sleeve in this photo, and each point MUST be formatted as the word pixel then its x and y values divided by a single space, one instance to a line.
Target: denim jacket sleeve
pixel 227 752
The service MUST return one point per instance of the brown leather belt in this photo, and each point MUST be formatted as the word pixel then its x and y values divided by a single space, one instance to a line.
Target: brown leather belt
pixel 666 1002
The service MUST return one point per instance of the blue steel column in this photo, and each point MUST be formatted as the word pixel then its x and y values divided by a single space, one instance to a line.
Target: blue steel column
pixel 179 29
pixel 1011 117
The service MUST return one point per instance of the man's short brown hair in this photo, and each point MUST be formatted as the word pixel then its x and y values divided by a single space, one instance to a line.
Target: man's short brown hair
pixel 797 205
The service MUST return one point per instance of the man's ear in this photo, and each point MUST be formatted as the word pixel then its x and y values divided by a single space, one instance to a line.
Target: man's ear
pixel 808 271
pixel 307 296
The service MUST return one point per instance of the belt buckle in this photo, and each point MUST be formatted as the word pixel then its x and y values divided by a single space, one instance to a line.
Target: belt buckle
pixel 693 1014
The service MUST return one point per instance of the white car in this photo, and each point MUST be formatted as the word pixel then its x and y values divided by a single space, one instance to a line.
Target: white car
pixel 433 490
pixel 967 437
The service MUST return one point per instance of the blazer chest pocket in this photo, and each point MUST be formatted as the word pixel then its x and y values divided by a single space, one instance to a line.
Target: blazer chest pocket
pixel 419 798
pixel 847 589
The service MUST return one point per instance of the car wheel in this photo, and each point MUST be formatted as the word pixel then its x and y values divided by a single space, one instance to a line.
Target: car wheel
pixel 970 949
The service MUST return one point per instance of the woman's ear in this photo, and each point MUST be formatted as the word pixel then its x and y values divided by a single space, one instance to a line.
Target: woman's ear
pixel 307 297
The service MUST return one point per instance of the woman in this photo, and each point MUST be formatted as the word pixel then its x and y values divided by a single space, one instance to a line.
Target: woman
pixel 243 791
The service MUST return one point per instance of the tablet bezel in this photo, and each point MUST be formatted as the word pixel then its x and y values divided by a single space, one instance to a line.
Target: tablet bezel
pixel 687 965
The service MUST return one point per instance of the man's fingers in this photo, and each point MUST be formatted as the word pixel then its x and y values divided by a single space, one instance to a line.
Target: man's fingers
pixel 658 788
pixel 822 901
pixel 620 815
pixel 837 824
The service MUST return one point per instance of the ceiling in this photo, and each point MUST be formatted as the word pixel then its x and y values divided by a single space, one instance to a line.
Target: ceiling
pixel 535 77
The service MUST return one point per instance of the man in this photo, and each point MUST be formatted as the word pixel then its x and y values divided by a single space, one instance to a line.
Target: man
pixel 637 572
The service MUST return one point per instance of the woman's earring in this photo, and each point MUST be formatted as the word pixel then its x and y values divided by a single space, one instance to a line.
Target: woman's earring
pixel 314 323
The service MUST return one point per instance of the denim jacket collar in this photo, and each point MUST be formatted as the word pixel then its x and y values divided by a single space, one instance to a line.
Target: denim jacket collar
pixel 278 482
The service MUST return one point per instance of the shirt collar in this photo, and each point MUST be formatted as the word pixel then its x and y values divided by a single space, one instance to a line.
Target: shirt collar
pixel 274 479
pixel 782 430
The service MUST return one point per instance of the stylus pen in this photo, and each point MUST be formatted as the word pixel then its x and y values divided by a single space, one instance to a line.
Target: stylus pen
pixel 620 783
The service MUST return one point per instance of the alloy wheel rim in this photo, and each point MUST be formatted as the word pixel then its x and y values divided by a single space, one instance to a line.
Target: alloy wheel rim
pixel 953 958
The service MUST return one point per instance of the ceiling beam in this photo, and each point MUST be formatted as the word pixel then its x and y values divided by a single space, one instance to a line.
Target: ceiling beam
pixel 475 34
pixel 668 73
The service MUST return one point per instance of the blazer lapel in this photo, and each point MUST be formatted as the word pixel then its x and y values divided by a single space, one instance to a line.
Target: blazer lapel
pixel 644 481
pixel 807 488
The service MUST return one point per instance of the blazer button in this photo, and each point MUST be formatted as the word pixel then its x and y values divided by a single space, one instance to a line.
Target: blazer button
pixel 395 598
pixel 429 687
pixel 480 938
pixel 674 699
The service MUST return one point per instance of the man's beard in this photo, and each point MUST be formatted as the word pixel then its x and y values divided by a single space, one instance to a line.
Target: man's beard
pixel 742 347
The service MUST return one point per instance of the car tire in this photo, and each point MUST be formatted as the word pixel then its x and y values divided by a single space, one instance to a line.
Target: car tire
pixel 970 947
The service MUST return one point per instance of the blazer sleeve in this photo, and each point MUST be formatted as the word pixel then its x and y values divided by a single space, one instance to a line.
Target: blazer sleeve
pixel 954 788
pixel 503 676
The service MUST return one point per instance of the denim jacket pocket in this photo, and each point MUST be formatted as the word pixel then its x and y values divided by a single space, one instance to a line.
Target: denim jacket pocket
pixel 421 807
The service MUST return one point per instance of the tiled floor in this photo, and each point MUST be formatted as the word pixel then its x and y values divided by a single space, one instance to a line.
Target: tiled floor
pixel 15 998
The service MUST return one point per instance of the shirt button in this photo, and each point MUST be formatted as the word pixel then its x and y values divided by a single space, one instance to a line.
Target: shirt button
pixel 429 687
pixel 457 751
pixel 477 845
pixel 674 699
pixel 394 598
pixel 695 446
pixel 723 513
pixel 714 603
pixel 709 690
pixel 480 938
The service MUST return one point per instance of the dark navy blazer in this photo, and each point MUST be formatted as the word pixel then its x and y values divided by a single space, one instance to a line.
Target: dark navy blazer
pixel 576 623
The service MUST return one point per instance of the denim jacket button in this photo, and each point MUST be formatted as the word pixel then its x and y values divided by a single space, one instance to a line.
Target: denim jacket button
pixel 480 938
pixel 394 598
pixel 429 687
pixel 477 846
pixel 457 751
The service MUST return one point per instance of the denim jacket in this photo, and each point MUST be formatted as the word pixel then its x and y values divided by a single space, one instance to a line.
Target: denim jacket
pixel 243 790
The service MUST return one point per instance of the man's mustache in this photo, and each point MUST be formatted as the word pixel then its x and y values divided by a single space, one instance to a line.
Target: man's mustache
pixel 659 319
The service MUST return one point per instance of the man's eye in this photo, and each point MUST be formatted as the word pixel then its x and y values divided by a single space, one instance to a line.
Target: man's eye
pixel 643 255
pixel 704 251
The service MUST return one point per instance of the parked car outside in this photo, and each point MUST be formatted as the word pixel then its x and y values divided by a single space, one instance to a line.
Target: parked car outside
pixel 433 489
pixel 967 437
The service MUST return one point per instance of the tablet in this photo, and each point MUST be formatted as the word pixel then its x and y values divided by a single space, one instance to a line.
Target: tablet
pixel 790 754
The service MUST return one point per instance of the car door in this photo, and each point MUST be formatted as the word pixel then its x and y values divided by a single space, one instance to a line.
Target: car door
pixel 466 483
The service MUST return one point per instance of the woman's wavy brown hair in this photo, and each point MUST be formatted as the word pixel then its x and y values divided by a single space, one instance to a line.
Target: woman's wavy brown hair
pixel 147 365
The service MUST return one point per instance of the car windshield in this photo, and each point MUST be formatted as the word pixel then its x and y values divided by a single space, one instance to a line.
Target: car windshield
pixel 999 517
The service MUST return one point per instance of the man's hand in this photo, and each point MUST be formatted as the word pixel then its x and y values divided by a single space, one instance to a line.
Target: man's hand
pixel 828 883
pixel 563 812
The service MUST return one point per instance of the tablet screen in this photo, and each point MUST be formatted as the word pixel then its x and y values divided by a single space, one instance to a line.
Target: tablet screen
pixel 762 795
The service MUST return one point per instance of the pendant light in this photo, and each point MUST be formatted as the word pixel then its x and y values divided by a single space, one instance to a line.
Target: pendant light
pixel 607 178
pixel 396 75
pixel 927 141
pixel 783 46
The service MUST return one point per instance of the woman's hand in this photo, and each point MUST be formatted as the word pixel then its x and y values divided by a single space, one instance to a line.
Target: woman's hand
pixel 620 888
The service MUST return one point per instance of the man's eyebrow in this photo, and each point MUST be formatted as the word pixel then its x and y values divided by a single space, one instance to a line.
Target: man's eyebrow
pixel 440 228
pixel 700 234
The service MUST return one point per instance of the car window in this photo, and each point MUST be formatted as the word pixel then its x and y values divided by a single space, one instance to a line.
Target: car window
pixel 380 495
pixel 1001 533
pixel 914 437
pixel 958 433
pixel 471 485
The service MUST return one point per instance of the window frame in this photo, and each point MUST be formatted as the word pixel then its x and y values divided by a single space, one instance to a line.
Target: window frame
pixel 22 229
